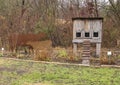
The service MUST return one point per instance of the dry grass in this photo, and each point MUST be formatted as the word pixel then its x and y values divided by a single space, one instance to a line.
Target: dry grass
pixel 107 60
pixel 41 49
pixel 41 45
pixel 41 55
pixel 1 62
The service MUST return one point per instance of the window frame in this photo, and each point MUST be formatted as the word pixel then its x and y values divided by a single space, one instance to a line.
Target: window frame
pixel 78 33
pixel 88 34
pixel 97 34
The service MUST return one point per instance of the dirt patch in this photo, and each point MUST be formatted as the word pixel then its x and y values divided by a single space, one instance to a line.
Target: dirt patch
pixel 6 69
pixel 20 72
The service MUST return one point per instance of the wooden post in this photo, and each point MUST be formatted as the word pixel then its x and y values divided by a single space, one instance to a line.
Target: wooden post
pixel 75 48
pixel 98 49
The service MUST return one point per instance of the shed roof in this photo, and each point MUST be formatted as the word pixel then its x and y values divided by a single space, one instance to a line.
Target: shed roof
pixel 87 18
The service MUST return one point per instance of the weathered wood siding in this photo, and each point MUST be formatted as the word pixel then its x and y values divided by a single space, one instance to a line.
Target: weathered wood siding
pixel 90 26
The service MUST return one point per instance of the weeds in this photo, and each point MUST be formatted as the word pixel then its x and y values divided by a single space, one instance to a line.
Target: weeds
pixel 56 74
pixel 42 55
pixel 108 59
pixel 62 53
pixel 1 54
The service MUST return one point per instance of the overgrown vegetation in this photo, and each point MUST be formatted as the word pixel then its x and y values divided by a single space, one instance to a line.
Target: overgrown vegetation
pixel 24 73
pixel 54 18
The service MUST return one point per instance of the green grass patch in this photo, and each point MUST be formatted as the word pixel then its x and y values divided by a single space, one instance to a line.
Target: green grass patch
pixel 21 72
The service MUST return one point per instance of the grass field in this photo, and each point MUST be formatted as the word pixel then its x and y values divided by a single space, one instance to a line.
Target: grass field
pixel 14 72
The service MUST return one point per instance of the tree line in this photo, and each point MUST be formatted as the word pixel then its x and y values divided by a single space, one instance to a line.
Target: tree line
pixel 53 17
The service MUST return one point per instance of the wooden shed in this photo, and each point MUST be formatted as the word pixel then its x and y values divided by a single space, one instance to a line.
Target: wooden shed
pixel 87 30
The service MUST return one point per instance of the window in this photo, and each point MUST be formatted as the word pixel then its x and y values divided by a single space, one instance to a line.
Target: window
pixel 87 34
pixel 78 34
pixel 95 34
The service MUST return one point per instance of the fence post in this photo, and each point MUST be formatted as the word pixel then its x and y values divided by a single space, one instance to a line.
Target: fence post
pixel 109 53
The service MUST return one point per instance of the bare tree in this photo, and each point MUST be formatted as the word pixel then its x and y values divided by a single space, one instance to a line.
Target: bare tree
pixel 114 11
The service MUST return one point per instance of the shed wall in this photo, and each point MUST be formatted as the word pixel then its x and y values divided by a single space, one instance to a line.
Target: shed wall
pixel 90 26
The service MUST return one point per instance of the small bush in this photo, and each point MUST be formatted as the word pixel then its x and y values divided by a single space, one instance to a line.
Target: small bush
pixel 21 56
pixel 72 57
pixel 118 57
pixel 41 55
pixel 14 54
pixel 62 53
pixel 107 59
pixel 1 54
